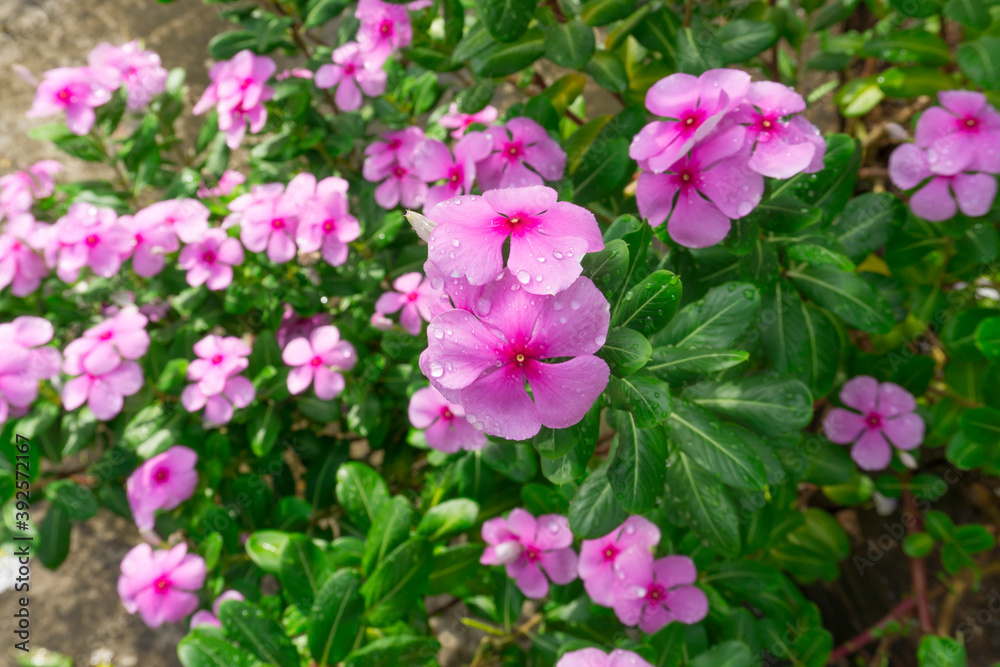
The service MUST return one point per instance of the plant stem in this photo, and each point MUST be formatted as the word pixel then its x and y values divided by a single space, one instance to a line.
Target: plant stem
pixel 918 568
pixel 866 637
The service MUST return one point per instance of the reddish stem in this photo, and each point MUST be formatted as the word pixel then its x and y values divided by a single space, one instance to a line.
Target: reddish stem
pixel 918 569
pixel 859 642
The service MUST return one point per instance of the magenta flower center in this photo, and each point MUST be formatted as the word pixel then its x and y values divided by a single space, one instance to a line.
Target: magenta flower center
pixel 162 475
pixel 138 238
pixel 17 246
pixel 278 223
pixel 687 176
pixel 447 414
pixel 349 69
pixel 208 257
pixel 217 359
pixel 513 150
pixel 328 226
pixel 691 121
pixel 412 296
pixel 246 84
pixel 610 552
pixel 970 124
pixel 656 593
pixel 455 176
pixel 532 554
pixel 106 335
pixel 316 361
pixel 400 171
pixel 385 27
pixel 64 95
pixel 92 240
pixel 873 420
pixel 395 144
pixel 162 585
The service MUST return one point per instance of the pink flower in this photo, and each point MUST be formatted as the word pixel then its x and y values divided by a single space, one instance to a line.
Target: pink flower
pixel 433 162
pixel 653 594
pixel 238 90
pixel 414 295
pixel 102 348
pixel 160 584
pixel 161 483
pixel 703 191
pixel 77 91
pixel 140 71
pixel 481 361
pixel 593 657
pixel 104 393
pixel 392 162
pixel 598 557
pixel 326 223
pixel 218 387
pixel 87 236
pixel 296 72
pixel 459 122
pixel 383 155
pixel 20 189
pixel 693 107
pixel 210 261
pixel 203 617
pixel 318 361
pixel 444 423
pixel 228 182
pixel 964 135
pixel 269 216
pixel 783 147
pixel 353 71
pixel 159 228
pixel 25 362
pixel 885 414
pixel 520 144
pixel 20 265
pixel 526 547
pixel 547 238
pixel 294 325
pixel 936 199
pixel 384 28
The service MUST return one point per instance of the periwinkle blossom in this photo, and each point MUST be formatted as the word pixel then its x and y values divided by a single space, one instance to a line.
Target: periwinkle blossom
pixel 19 190
pixel 548 238
pixel 210 261
pixel 482 360
pixel 294 325
pixel 691 108
pixel 319 361
pixel 217 384
pixel 27 359
pixel 228 182
pixel 459 122
pixel 205 617
pixel 530 549
pixel 325 222
pixel 159 228
pixel 784 142
pixel 444 424
pixel 87 236
pixel 651 595
pixel 161 585
pixel 391 163
pixel 384 28
pixel 940 197
pixel 104 393
pixel 436 163
pixel 353 71
pixel 141 71
pixel 21 265
pixel 881 416
pixel 238 91
pixel 599 557
pixel 963 134
pixel 383 154
pixel 76 91
pixel 413 294
pixel 518 145
pixel 268 216
pixel 161 483
pixel 104 346
pixel 595 657
pixel 702 192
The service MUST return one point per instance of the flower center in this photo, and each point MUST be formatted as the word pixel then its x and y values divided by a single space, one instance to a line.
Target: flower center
pixel 162 475
pixel 316 361
pixel 386 27
pixel 412 296
pixel 246 84
pixel 513 150
pixel 278 223
pixel 520 358
pixel 17 246
pixel 92 240
pixel 162 585
pixel 399 172
pixel 64 95
pixel 395 144
pixel 447 414
pixel 971 123
pixel 766 124
pixel 349 69
pixel 208 257
pixel 532 554
pixel 217 359
pixel 610 552
pixel 656 593
pixel 328 226
pixel 106 335
pixel 874 420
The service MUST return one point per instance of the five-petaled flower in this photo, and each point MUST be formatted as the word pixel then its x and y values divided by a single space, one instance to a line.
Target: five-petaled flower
pixel 655 593
pixel 319 360
pixel 445 427
pixel 527 546
pixel 161 483
pixel 161 584
pixel 518 145
pixel 598 557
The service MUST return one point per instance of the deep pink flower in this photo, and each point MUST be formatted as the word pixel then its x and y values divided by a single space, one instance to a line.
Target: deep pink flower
pixel 598 557
pixel 218 387
pixel 353 71
pixel 326 223
pixel 21 266
pixel 382 155
pixel 520 144
pixel 885 414
pixel 526 546
pixel 693 107
pixel 87 236
pixel 103 393
pixel 238 90
pixel 390 163
pixel 963 134
pixel 459 122
pixel 161 483
pixel 269 216
pixel 19 190
pixel 210 261
pixel 936 200
pixel 24 362
pixel 594 657
pixel 782 148
pixel 481 360
pixel 703 191
pixel 318 361
pixel 237 392
pixel 444 423
pixel 141 71
pixel 77 91
pixel 159 228
pixel 102 348
pixel 547 238
pixel 294 325
pixel 384 28
pixel 160 584
pixel 433 162
pixel 228 182
pixel 652 594
pixel 205 617
pixel 414 295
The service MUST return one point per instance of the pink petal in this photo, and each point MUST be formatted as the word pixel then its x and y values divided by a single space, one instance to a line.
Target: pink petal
pixel 934 202
pixel 601 586
pixel 299 378
pixel 860 393
pixel 105 402
pixel 560 565
pixel 298 352
pixel 460 348
pixel 894 400
pixel 776 158
pixel 324 339
pixel 638 532
pixel 670 97
pixel 495 531
pixel 218 410
pixel 843 426
pixel 552 532
pixel 673 571
pixel 564 392
pixel 905 431
pixel 697 223
pixel 240 391
pixel 688 604
pixel 654 194
pixel 545 264
pixel 327 384
pixel 547 158
pixel 871 452
pixel 466 250
pixel 500 403
pixel 190 574
pixel 975 193
pixel 573 322
pixel 908 166
pixel 533 583
pixel 75 392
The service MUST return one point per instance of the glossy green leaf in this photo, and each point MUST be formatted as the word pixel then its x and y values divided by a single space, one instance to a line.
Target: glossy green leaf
pixel 302 572
pixel 988 338
pixel 608 71
pixel 246 624
pixel 569 44
pixel 448 518
pixel 335 619
pixel 848 295
pixel 396 650
pixel 766 403
pixel 397 582
pixel 390 528
pixel 506 19
pixel 978 61
pixel 742 39
pixel 626 351
pixel 638 469
pixel 361 492
pixel 867 222
pixel 909 46
pixel 603 12
pixel 594 511
pixel 703 502
pixel 500 59
pixel 649 305
pixel 830 189
pixel 716 448
pixel 716 321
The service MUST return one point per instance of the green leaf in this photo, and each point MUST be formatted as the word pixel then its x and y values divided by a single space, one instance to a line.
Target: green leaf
pixel 78 501
pixel 939 525
pixel 859 96
pixel 831 188
pixel 390 529
pixel 604 168
pixel 645 397
pixel 506 19
pixel 515 460
pixel 784 214
pixel 698 49
pixel 264 548
pixel 970 13
pixel 626 351
pixel 397 582
pixel 648 306
pixel 319 12
pixel 638 469
pixel 569 44
pixel 724 654
pixel 937 651
pixel 714 447
pixel 716 321
pixel 594 511
pixel 867 222
pixel 704 505
pixel 553 443
pixel 53 536
pixel 909 46
pixel 676 364
pixel 603 12
pixel 393 651
pixel 263 428
pixel 453 567
pixel 914 81
pixel 769 404
pixel 918 545
pixel 818 255
pixel 246 624
pixel 981 425
pixel 448 518
pixel 848 295
pixel 979 60
pixel 303 571
pixel 335 619
pixel 608 71
pixel 742 39
pixel 988 338
pixel 499 59
pixel 974 538
pixel 361 492
pixel 200 649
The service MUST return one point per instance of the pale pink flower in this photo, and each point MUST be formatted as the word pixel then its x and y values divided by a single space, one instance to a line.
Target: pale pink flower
pixel 102 348
pixel 87 236
pixel 161 483
pixel 653 594
pixel 294 325
pixel 433 162
pixel 26 360
pixel 159 228
pixel 161 584
pixel 518 145
pixel 326 223
pixel 530 549
pixel 210 261
pixel 444 423
pixel 104 393
pixel 238 90
pixel 414 295
pixel 392 161
pixel 141 72
pixel 940 197
pixel 269 216
pixel 594 657
pixel 228 182
pixel 21 266
pixel 353 71
pixel 318 361
pixel 218 387
pixel 295 72
pixel 459 122
pixel 963 134
pixel 77 91
pixel 20 189
pixel 384 154
pixel 385 27
pixel 599 556
pixel 205 617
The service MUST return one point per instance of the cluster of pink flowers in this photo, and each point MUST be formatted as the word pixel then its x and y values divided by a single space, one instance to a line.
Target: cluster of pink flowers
pixel 228 182
pixel 161 483
pixel 24 363
pixel 238 92
pixel 161 585
pixel 217 384
pixel 443 422
pixel 160 228
pixel 77 91
pixel 420 172
pixel 459 122
pixel 304 215
pixel 953 160
pixel 882 416
pixel 319 361
pixel 23 238
pixel 703 164
pixel 102 363
pixel 414 296
pixel 530 548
